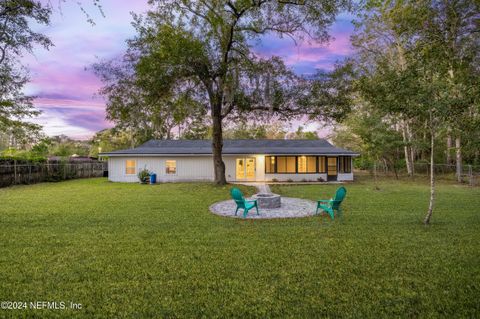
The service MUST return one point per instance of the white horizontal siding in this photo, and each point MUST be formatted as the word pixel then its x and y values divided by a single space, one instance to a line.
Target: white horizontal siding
pixel 188 168
pixel 345 177
pixel 200 168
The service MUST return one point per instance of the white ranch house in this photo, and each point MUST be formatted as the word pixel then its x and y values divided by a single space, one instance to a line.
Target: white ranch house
pixel 245 161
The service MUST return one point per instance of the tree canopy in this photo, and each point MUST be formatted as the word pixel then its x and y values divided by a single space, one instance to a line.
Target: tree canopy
pixel 202 51
pixel 416 75
pixel 17 37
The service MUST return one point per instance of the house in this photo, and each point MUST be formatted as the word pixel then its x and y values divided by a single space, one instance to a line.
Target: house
pixel 245 161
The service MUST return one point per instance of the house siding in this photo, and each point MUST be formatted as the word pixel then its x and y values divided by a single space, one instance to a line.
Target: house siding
pixel 200 168
pixel 197 168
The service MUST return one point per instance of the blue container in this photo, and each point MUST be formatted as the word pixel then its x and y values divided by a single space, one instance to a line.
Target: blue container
pixel 153 178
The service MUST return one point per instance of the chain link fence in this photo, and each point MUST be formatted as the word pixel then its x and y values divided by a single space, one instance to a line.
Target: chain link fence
pixel 470 174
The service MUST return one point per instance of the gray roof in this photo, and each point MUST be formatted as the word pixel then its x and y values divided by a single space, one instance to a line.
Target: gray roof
pixel 204 147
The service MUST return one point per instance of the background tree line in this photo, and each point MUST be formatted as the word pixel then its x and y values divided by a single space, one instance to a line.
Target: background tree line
pixel 416 80
pixel 416 84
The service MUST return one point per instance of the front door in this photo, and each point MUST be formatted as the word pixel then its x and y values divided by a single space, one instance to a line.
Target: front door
pixel 332 168
pixel 245 168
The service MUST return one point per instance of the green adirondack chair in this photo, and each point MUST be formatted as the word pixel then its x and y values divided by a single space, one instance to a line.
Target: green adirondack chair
pixel 332 205
pixel 242 203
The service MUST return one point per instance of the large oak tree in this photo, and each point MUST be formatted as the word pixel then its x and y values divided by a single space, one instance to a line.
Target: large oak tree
pixel 204 49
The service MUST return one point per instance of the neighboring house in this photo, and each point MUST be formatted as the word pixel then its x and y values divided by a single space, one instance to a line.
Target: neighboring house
pixel 245 160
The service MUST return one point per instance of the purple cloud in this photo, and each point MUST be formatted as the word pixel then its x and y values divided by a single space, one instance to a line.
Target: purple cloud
pixel 65 90
pixel 304 56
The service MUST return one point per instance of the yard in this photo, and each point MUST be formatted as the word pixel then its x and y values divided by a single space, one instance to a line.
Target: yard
pixel 130 250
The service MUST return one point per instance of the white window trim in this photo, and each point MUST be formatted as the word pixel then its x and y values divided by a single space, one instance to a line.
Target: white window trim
pixel 136 167
pixel 176 168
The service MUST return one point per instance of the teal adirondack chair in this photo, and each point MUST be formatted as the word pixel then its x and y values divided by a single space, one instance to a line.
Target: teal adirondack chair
pixel 242 203
pixel 332 205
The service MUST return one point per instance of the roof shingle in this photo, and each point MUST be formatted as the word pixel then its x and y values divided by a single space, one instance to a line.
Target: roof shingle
pixel 204 147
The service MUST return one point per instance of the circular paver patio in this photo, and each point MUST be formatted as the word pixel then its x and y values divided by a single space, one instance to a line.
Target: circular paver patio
pixel 291 208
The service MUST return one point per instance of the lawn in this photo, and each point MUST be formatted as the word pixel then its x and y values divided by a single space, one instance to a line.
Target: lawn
pixel 134 251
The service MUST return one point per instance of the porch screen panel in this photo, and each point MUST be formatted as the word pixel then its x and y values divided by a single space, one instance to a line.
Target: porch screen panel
pixel 286 164
pixel 291 164
pixel 348 164
pixel 321 164
pixel 345 164
pixel 311 164
pixel 302 164
pixel 307 164
pixel 281 164
pixel 269 164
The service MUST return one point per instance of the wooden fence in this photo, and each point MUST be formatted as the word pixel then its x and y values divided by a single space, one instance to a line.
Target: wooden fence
pixel 14 174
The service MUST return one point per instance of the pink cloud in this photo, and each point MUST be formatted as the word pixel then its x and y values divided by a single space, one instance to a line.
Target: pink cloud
pixel 66 91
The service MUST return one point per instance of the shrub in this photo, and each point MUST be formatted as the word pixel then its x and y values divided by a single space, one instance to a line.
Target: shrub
pixel 144 176
pixel 10 155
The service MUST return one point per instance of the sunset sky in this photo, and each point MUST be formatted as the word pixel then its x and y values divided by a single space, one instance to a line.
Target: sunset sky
pixel 66 89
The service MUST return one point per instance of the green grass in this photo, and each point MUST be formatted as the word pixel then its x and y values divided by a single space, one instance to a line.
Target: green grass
pixel 135 251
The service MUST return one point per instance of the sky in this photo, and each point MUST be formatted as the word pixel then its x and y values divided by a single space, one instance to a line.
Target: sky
pixel 66 90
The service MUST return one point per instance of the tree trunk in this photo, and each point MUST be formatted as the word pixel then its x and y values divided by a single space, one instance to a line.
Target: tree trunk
pixel 458 144
pixel 425 140
pixel 217 146
pixel 426 221
pixel 449 148
pixel 394 169
pixel 412 149
pixel 406 148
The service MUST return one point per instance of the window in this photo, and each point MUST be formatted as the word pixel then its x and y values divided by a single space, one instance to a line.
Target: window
pixel 345 164
pixel 295 164
pixel 307 164
pixel 286 164
pixel 311 164
pixel 130 167
pixel 302 164
pixel 281 164
pixel 291 164
pixel 170 167
pixel 270 164
pixel 321 164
